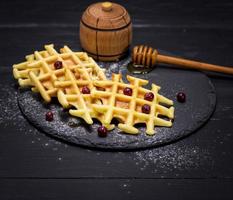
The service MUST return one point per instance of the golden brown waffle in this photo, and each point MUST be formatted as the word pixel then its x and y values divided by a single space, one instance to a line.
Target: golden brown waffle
pixel 127 109
pixel 21 70
pixel 70 95
pixel 39 71
pixel 106 100
pixel 45 78
pixel 77 71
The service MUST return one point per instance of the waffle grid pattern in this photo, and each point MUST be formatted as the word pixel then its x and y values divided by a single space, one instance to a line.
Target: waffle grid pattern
pixel 128 108
pixel 106 99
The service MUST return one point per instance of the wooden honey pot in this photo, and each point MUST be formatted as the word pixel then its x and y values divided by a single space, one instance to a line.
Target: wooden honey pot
pixel 105 31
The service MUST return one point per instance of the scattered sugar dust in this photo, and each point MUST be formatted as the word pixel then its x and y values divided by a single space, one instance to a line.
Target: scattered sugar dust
pixel 171 157
pixel 168 157
pixel 10 115
pixel 115 67
pixel 9 111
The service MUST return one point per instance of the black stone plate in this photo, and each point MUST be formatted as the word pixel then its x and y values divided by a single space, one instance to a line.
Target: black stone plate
pixel 189 116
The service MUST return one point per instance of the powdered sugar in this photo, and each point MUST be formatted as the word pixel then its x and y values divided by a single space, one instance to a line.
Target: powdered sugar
pixel 173 157
pixel 179 157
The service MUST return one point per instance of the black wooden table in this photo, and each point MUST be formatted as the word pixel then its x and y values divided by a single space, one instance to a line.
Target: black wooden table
pixel 35 166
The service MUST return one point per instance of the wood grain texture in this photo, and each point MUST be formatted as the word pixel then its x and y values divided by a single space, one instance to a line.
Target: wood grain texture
pixel 105 34
pixel 32 151
pixel 144 56
pixel 73 189
pixel 210 14
pixel 193 29
pixel 115 18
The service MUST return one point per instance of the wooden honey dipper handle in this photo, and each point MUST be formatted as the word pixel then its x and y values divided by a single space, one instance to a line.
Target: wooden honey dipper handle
pixel 147 56
pixel 185 63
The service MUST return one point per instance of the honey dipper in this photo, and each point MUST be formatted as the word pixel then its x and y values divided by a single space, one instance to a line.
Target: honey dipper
pixel 147 57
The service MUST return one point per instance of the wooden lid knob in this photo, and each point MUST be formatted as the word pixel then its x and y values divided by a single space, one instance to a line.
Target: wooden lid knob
pixel 107 6
pixel 108 14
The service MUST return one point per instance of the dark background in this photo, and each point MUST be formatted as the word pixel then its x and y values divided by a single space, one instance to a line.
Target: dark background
pixel 35 166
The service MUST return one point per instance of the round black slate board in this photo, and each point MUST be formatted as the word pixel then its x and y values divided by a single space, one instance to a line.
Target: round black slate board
pixel 189 116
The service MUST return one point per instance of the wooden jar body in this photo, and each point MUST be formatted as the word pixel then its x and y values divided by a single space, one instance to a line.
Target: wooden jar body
pixel 105 31
pixel 105 44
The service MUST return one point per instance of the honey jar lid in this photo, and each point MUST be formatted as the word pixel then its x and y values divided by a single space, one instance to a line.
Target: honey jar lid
pixel 106 16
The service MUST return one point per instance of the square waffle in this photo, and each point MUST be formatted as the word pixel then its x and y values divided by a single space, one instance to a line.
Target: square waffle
pixel 77 71
pixel 128 109
pixel 70 87
pixel 70 96
pixel 44 79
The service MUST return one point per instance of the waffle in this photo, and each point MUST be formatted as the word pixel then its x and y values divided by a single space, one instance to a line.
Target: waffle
pixel 47 75
pixel 66 83
pixel 106 99
pixel 21 70
pixel 69 90
pixel 70 96
pixel 127 109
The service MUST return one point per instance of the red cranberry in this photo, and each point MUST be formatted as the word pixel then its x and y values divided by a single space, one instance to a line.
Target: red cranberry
pixel 58 65
pixel 86 90
pixel 128 91
pixel 146 108
pixel 149 96
pixel 49 116
pixel 181 97
pixel 102 131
